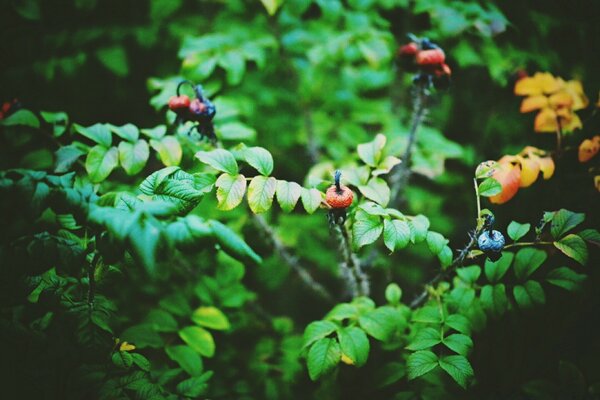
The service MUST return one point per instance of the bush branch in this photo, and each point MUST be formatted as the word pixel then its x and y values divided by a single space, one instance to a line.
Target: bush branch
pixel 356 279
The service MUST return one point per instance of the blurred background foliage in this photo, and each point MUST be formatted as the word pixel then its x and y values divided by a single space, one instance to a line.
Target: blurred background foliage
pixel 309 80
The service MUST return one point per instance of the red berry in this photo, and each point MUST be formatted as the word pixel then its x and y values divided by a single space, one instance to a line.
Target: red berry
pixel 179 102
pixel 408 50
pixel 430 57
pixel 339 198
pixel 197 107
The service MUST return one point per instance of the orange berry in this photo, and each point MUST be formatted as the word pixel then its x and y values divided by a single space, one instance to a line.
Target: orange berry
pixel 430 57
pixel 339 198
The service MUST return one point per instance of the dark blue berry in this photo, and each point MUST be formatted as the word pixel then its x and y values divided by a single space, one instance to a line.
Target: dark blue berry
pixel 491 241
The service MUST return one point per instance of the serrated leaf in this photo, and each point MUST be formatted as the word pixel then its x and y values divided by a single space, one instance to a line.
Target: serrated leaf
pixel 420 363
pixel 459 323
pixel 527 261
pixel 563 221
pixel 428 314
pixel 198 339
pixel 436 242
pixel 195 386
pixel 458 367
pixel 495 270
pixel 374 209
pixel 425 339
pixel 260 193
pixel 489 187
pixel 288 194
pixel 219 159
pixel 565 278
pixel 573 246
pixel 141 361
pixel 98 133
pixel 187 358
pixel 493 298
pixel 529 294
pixel 168 149
pixel 122 359
pixel 354 344
pixel 385 166
pixel 260 159
pixel 211 317
pixel 370 153
pixel 396 234
pixel 323 357
pixel 311 199
pixel 381 323
pixel 459 343
pixel 230 191
pixel 100 162
pixel 516 230
pixel 133 156
pixel 366 229
pixel 469 274
pixel 318 330
pixel 590 235
pixel 418 228
pixel 377 190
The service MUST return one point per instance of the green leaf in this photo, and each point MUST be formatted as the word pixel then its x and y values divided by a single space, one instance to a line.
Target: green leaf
pixel 343 311
pixel 445 256
pixel 565 278
pixel 311 199
pixel 188 359
pixel 260 159
pixel 318 330
pixel 489 187
pixel 141 361
pixel 232 244
pixel 288 194
pixel 590 235
pixel 66 156
pixel 98 133
pixel 428 315
pixel 493 298
pixel 236 131
pixel 144 237
pixel 260 193
pixel 377 190
pixel 168 149
pixel 22 117
pixel 516 230
pixel 142 336
pixel 155 133
pixel 366 229
pixel 425 339
pixel 436 242
pixel 396 234
pixel 418 228
pixel 381 323
pixel 389 374
pixel 133 157
pixel 100 162
pixel 529 294
pixel 370 153
pixel 527 261
pixel 420 363
pixel 374 209
pixel 495 270
pixel 198 339
pixel 354 344
pixel 128 132
pixel 230 191
pixel 161 321
pixel 114 58
pixel 122 359
pixel 271 5
pixel 219 159
pixel 58 120
pixel 469 274
pixel 323 357
pixel 563 221
pixel 393 293
pixel 211 317
pixel 573 246
pixel 459 343
pixel 386 165
pixel 459 323
pixel 195 386
pixel 234 63
pixel 458 367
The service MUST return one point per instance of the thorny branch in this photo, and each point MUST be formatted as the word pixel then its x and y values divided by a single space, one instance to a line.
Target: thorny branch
pixel 357 280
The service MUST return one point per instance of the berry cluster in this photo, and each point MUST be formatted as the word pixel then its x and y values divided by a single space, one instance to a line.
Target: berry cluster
pixel 491 242
pixel 199 110
pixel 339 198
pixel 428 60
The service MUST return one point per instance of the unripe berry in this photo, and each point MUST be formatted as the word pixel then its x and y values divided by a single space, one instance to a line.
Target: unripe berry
pixel 430 57
pixel 178 103
pixel 338 196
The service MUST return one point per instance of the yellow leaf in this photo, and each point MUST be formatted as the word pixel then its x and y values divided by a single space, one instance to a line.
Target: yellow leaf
pixel 561 99
pixel 540 83
pixel 569 124
pixel 545 121
pixel 547 167
pixel 597 182
pixel 347 360
pixel 588 149
pixel 530 169
pixel 580 100
pixel 532 103
pixel 126 347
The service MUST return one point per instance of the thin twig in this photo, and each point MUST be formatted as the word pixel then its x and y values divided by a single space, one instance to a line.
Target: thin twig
pixel 399 178
pixel 291 260
pixel 357 280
